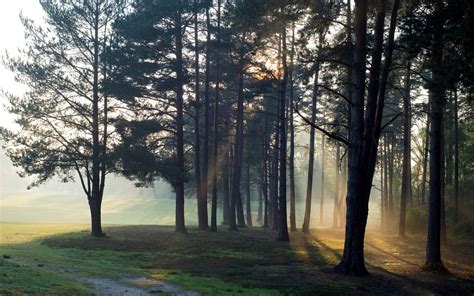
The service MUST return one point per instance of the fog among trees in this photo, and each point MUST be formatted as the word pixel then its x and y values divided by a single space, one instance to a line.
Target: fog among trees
pixel 228 116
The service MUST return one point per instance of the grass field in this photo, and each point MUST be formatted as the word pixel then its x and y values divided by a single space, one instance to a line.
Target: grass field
pixel 54 259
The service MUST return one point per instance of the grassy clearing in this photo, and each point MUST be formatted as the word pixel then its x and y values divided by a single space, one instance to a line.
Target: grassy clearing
pixel 248 262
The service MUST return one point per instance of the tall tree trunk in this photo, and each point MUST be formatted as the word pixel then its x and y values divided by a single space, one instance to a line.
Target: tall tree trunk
pixel 261 196
pixel 433 243
pixel 205 152
pixel 385 184
pixel 425 155
pixel 275 174
pixel 95 199
pixel 335 213
pixel 265 177
pixel 443 182
pixel 179 185
pixel 235 199
pixel 365 132
pixel 383 213
pixel 323 156
pixel 260 202
pixel 283 221
pixel 456 156
pixel 248 201
pixel 342 205
pixel 433 247
pixel 201 206
pixel 353 257
pixel 309 187
pixel 349 92
pixel 391 158
pixel 226 189
pixel 406 173
pixel 216 120
pixel 271 199
pixel 292 137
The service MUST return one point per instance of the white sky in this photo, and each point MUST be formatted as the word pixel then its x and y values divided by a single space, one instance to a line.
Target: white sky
pixel 11 38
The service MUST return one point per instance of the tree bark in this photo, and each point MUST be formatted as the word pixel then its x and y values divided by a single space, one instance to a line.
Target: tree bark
pixel 201 202
pixel 323 156
pixel 292 137
pixel 406 173
pixel 283 221
pixel 456 157
pixel 216 131
pixel 391 158
pixel 179 185
pixel 235 199
pixel 335 212
pixel 387 217
pixel 95 199
pixel 443 181
pixel 248 201
pixel 275 166
pixel 265 178
pixel 433 243
pixel 425 155
pixel 205 152
pixel 226 189
pixel 309 187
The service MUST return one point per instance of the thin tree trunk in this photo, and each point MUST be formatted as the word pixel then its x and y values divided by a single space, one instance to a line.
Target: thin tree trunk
pixel 179 186
pixel 205 152
pixel 95 199
pixel 248 201
pixel 275 174
pixel 271 199
pixel 335 213
pixel 261 196
pixel 391 157
pixel 292 137
pixel 385 184
pixel 235 200
pixel 309 188
pixel 201 207
pixel 425 156
pixel 406 173
pixel 382 197
pixel 215 150
pixel 265 177
pixel 456 157
pixel 323 156
pixel 443 182
pixel 260 202
pixel 226 189
pixel 283 221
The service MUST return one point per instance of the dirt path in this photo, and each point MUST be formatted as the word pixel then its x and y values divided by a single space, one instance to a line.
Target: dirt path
pixel 135 286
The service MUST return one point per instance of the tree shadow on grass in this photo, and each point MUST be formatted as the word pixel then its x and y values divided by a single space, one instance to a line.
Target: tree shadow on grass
pixel 410 280
pixel 250 258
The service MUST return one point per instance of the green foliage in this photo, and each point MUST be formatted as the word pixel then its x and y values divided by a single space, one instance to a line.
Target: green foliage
pixel 64 70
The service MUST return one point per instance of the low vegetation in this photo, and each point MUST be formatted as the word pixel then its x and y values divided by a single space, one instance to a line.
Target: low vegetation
pixel 50 258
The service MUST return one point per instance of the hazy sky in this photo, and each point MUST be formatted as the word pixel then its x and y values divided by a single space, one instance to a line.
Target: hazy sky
pixel 11 38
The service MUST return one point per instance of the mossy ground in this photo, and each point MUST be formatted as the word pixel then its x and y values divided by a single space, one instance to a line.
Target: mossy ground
pixel 247 262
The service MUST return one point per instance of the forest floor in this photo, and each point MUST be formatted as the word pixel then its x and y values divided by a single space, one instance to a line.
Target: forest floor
pixel 138 260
